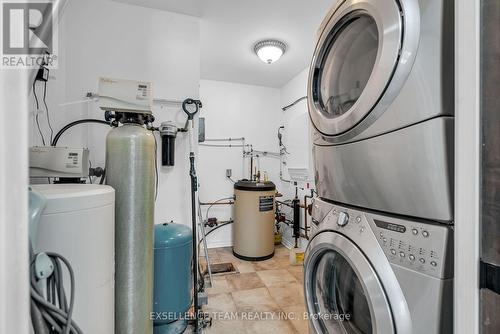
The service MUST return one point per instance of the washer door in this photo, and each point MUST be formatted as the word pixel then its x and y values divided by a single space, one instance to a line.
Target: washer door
pixel 354 61
pixel 341 283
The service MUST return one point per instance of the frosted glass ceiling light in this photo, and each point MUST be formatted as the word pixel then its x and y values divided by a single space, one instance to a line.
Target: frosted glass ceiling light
pixel 269 50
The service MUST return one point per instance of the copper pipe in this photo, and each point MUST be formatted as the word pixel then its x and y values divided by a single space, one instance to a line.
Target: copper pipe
pixel 217 203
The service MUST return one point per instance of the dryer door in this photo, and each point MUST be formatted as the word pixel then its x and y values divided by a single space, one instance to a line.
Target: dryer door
pixel 354 61
pixel 343 292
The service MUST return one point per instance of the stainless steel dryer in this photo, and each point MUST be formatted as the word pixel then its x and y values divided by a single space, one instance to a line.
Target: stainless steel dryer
pixel 372 274
pixel 381 101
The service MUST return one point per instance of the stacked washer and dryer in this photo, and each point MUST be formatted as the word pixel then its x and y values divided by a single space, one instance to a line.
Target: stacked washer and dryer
pixel 381 102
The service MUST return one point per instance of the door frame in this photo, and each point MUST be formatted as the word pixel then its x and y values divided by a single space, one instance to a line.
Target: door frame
pixel 467 166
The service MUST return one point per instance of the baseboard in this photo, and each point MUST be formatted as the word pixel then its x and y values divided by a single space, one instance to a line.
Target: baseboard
pixel 219 244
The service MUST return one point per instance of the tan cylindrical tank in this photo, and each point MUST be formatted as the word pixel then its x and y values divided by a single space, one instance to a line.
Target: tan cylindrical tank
pixel 253 231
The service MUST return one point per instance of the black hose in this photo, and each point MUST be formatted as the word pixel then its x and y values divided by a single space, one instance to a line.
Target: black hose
pixel 213 229
pixel 72 124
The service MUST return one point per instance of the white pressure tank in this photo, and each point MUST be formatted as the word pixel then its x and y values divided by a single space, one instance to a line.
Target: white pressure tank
pixel 79 224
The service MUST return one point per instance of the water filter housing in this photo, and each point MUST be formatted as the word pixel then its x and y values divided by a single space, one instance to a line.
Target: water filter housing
pixel 168 132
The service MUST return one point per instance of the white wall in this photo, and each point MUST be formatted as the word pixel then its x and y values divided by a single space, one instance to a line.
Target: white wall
pixel 297 140
pixel 235 110
pixel 14 277
pixel 105 38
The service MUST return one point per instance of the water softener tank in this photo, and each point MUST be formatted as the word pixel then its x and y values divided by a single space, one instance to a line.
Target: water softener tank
pixel 130 170
pixel 172 277
pixel 78 223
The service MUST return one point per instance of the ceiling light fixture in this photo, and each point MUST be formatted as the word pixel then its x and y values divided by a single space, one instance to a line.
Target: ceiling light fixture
pixel 269 50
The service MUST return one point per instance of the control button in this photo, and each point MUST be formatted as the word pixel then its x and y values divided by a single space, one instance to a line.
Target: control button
pixel 343 219
pixel 422 260
pixel 414 231
pixel 381 234
pixel 393 251
pixel 384 240
pixel 402 254
pixel 433 263
pixel 358 219
pixel 411 257
pixel 425 234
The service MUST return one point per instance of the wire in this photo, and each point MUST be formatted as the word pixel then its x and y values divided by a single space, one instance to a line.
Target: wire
pixel 90 167
pixel 103 176
pixel 47 110
pixel 156 167
pixel 36 116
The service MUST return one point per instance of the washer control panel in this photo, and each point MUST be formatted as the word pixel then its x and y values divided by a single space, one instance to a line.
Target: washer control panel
pixel 424 247
pixel 427 248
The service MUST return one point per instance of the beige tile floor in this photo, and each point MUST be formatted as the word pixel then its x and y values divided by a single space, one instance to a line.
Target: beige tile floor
pixel 263 297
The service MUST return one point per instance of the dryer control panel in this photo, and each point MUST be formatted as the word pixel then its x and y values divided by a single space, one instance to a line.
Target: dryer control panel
pixel 423 247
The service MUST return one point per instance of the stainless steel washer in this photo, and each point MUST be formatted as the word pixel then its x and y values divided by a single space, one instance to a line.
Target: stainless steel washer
pixel 381 101
pixel 368 273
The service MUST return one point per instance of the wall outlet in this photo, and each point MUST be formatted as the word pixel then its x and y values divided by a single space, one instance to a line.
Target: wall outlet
pixel 229 172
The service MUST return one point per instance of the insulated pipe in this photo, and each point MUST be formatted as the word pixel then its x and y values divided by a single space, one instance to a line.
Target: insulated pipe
pixel 296 220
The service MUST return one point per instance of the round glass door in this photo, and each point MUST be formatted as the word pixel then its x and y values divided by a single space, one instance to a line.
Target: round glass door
pixel 343 292
pixel 346 66
pixel 354 61
pixel 337 291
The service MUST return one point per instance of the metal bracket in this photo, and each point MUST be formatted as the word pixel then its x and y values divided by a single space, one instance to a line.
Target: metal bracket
pixel 489 277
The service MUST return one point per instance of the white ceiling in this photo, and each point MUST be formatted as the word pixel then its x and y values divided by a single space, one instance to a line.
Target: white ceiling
pixel 188 7
pixel 230 28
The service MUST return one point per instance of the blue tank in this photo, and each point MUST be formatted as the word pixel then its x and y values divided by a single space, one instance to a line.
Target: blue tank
pixel 172 277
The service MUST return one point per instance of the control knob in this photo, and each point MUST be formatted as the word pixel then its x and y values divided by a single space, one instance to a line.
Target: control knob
pixel 343 219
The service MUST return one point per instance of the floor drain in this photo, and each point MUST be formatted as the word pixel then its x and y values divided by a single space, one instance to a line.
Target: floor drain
pixel 223 268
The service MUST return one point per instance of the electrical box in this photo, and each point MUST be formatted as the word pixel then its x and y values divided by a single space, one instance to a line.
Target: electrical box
pixel 125 95
pixel 60 162
pixel 201 130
